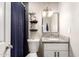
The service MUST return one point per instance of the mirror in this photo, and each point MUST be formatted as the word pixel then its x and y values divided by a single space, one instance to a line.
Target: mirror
pixel 50 23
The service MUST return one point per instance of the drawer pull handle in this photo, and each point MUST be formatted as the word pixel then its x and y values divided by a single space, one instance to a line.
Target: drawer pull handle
pixel 54 54
pixel 58 54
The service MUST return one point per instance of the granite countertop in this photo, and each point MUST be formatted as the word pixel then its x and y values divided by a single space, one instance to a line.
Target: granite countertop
pixel 57 39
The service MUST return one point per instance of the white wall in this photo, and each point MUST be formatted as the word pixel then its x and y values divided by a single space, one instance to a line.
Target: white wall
pixel 8 26
pixel 1 22
pixel 5 23
pixel 75 29
pixel 2 47
pixel 38 8
pixel 64 19
pixel 8 22
pixel 69 25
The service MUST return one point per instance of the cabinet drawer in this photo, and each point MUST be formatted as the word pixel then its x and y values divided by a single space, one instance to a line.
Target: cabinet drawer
pixel 55 46
pixel 48 53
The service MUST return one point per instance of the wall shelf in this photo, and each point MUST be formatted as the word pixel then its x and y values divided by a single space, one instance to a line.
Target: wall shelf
pixel 33 30
pixel 32 13
pixel 34 21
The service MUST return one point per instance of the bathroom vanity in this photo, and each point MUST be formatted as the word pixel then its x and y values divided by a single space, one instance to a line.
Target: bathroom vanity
pixel 53 44
pixel 55 47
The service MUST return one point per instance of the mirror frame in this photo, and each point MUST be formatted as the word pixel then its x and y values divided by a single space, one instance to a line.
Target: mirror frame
pixel 57 22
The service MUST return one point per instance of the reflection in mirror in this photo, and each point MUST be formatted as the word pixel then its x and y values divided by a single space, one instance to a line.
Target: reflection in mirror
pixel 50 21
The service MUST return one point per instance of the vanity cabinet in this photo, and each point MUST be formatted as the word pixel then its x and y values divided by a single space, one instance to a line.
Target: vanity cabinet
pixel 55 49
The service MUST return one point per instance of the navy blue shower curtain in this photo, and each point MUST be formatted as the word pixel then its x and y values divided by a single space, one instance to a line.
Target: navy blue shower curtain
pixel 25 44
pixel 18 30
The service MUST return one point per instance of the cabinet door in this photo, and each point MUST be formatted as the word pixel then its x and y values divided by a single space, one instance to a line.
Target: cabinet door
pixel 48 53
pixel 62 54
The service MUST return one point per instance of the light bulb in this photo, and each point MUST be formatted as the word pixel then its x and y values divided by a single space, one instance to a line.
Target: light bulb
pixel 44 14
pixel 50 13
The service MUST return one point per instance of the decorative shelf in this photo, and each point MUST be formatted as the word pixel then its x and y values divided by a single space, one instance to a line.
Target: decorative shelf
pixel 33 30
pixel 34 21
pixel 32 13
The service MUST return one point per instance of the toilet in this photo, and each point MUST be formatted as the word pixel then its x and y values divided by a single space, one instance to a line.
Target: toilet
pixel 33 47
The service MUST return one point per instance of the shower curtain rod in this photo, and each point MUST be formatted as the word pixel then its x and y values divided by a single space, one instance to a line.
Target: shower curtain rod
pixel 22 4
